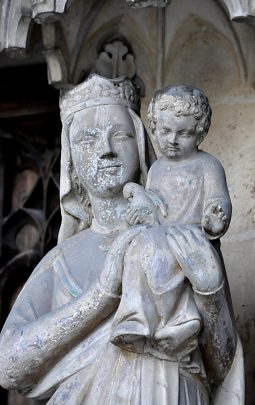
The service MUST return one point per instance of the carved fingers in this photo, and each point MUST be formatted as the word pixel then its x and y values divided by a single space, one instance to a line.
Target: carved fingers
pixel 141 208
pixel 135 215
pixel 214 220
pixel 111 275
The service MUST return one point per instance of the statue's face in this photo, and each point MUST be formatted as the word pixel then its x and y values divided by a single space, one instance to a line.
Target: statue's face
pixel 176 136
pixel 104 149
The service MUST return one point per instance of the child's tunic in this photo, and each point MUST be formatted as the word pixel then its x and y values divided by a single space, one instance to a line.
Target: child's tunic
pixel 189 187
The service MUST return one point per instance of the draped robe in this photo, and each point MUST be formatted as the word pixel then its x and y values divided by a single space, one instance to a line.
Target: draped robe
pixel 95 370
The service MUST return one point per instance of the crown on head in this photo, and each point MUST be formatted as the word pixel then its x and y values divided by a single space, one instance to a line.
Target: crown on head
pixel 98 90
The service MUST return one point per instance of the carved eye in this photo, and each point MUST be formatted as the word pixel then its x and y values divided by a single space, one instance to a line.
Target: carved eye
pixel 84 136
pixel 186 134
pixel 119 135
pixel 166 131
pixel 88 136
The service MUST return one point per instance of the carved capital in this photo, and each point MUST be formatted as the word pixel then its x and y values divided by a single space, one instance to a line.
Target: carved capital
pixel 16 18
pixel 241 10
pixel 147 3
pixel 15 23
pixel 47 10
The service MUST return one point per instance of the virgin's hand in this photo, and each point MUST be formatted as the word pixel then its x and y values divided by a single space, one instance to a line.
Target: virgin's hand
pixel 141 209
pixel 197 257
pixel 111 276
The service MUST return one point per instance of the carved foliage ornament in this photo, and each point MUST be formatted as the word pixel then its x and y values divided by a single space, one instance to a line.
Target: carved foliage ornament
pixel 116 60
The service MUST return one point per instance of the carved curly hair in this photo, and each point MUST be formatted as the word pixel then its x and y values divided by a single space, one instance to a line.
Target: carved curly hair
pixel 183 100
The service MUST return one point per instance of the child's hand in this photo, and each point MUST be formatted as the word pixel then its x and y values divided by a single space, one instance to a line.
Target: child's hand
pixel 141 209
pixel 214 220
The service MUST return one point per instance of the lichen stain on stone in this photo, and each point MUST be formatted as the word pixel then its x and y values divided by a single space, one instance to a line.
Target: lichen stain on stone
pixel 252 192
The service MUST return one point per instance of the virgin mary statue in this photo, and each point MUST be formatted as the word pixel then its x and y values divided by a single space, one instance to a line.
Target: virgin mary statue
pixel 57 346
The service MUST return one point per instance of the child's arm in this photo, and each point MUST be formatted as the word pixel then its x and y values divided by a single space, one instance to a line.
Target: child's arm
pixel 217 204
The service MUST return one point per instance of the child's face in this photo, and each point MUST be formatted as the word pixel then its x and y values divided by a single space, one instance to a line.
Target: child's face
pixel 176 136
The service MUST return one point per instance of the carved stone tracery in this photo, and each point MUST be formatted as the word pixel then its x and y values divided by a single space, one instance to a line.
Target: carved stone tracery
pixel 17 19
pixel 30 225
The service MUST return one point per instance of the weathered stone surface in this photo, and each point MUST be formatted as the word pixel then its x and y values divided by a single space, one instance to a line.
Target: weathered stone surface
pixel 71 316
pixel 187 42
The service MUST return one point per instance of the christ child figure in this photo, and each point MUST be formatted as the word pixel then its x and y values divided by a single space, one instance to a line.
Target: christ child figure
pixel 186 187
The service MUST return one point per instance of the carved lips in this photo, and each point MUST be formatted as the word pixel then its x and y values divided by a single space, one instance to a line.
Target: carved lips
pixel 109 166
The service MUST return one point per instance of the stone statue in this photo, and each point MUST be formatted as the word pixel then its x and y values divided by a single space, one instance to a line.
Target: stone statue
pixel 192 182
pixel 62 342
pixel 192 189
